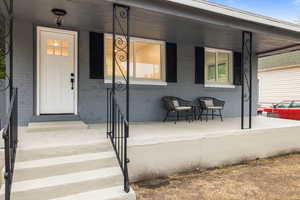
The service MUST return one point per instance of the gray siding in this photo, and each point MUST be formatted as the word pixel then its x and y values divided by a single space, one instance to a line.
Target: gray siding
pixel 280 60
pixel 145 100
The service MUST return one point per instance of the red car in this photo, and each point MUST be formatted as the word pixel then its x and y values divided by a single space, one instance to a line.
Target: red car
pixel 284 110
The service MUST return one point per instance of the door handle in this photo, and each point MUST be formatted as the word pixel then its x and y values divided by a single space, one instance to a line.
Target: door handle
pixel 72 81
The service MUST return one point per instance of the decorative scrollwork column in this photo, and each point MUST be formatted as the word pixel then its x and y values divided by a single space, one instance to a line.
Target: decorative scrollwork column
pixel 246 78
pixel 121 51
pixel 121 73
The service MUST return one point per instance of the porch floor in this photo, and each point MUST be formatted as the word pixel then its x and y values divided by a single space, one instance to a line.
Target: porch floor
pixel 142 133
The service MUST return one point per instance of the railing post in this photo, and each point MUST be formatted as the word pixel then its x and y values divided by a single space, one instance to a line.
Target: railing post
pixel 7 175
pixel 126 161
pixel 128 71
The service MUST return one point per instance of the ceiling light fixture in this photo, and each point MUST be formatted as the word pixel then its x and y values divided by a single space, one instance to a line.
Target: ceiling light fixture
pixel 59 13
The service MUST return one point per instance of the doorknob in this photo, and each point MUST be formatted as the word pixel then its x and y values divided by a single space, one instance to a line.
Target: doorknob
pixel 72 81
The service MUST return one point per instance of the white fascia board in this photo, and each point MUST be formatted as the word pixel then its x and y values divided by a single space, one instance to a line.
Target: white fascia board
pixel 240 14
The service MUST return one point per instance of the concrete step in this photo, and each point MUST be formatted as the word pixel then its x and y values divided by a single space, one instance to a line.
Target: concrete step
pixel 45 153
pixel 54 118
pixel 54 126
pixel 86 171
pixel 65 179
pixel 64 190
pixel 43 168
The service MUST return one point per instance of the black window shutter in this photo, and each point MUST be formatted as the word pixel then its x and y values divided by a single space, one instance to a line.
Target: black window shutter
pixel 199 65
pixel 171 62
pixel 237 68
pixel 96 55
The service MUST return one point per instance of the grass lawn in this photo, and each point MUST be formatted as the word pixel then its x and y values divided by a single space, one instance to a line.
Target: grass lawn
pixel 266 179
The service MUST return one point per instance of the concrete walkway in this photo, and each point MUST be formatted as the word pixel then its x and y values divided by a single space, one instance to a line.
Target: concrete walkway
pixel 66 162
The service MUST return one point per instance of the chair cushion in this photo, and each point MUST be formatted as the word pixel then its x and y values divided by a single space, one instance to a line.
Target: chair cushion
pixel 183 108
pixel 215 107
pixel 209 103
pixel 175 103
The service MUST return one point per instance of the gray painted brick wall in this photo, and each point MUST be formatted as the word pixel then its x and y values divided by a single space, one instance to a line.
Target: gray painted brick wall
pixel 145 101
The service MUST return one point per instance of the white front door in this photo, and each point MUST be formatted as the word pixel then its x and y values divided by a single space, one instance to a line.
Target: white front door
pixel 57 71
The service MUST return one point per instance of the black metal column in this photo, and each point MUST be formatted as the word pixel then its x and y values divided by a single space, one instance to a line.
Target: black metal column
pixel 120 86
pixel 11 62
pixel 121 46
pixel 246 79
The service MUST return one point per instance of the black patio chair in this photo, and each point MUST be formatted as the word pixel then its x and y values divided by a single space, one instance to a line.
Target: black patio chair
pixel 212 104
pixel 177 105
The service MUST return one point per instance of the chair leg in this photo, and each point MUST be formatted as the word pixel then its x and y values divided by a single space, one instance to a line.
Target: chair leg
pixel 166 117
pixel 206 115
pixel 220 112
pixel 194 114
pixel 177 117
pixel 212 114
pixel 188 113
pixel 200 115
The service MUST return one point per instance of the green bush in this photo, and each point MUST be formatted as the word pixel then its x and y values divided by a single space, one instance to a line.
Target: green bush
pixel 2 67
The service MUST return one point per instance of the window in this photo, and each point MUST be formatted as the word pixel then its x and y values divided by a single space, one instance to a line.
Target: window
pixel 147 61
pixel 218 67
pixel 57 47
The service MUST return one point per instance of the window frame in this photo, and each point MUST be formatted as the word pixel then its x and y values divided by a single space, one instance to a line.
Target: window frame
pixel 216 84
pixel 134 80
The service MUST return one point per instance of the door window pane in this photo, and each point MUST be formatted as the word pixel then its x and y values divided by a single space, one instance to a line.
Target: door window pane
pixel 50 50
pixel 65 52
pixel 57 51
pixel 57 47
pixel 64 43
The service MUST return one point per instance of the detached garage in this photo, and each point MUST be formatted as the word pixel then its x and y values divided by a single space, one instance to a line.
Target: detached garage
pixel 279 78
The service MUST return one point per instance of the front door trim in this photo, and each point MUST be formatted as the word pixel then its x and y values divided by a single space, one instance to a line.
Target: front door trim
pixel 38 64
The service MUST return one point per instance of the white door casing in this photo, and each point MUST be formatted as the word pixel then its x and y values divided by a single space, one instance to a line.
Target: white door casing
pixel 56 66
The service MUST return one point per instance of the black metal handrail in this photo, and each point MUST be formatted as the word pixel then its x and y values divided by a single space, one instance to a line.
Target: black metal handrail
pixel 118 132
pixel 10 136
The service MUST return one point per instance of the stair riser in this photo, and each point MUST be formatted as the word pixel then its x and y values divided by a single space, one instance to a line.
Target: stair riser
pixel 66 190
pixel 43 172
pixel 37 154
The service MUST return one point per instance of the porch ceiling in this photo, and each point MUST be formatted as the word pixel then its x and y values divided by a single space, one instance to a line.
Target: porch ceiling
pixel 92 15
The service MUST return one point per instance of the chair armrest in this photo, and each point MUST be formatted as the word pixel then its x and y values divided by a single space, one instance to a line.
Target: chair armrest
pixel 185 103
pixel 218 102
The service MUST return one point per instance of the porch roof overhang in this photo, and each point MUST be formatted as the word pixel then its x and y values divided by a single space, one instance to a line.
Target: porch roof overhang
pixel 201 23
